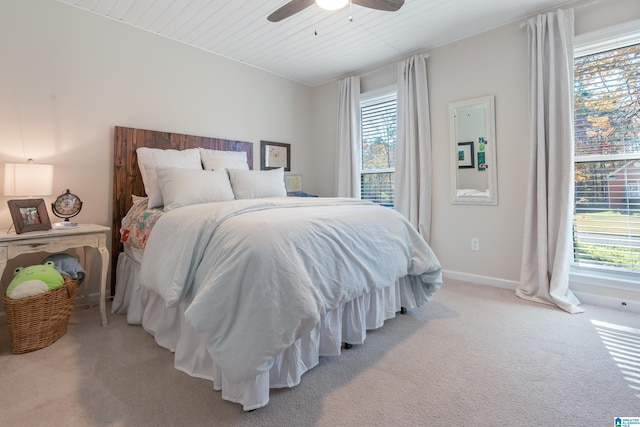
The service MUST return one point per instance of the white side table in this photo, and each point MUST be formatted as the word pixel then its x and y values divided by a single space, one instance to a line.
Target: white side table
pixel 51 241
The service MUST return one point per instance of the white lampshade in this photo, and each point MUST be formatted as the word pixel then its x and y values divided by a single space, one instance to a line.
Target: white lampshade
pixel 28 179
pixel 332 4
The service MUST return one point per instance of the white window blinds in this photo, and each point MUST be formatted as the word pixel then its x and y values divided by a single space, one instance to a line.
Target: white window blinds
pixel 607 159
pixel 378 121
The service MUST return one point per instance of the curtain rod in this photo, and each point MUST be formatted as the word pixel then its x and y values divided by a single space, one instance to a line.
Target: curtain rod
pixel 379 68
pixel 566 6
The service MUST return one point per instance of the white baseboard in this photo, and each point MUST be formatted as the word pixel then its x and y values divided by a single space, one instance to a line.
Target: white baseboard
pixel 480 280
pixel 604 296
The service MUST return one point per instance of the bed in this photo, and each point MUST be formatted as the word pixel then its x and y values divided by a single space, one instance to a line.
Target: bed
pixel 249 287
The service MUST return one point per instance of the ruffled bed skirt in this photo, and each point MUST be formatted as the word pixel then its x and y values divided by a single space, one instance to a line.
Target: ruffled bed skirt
pixel 347 323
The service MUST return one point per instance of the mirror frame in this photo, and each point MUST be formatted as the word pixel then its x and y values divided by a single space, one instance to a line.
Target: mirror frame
pixel 490 157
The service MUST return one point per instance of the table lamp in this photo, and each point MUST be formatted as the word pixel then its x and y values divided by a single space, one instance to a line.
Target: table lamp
pixel 28 179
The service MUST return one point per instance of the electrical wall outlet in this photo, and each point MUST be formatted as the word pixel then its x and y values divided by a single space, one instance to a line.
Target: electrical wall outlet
pixel 475 244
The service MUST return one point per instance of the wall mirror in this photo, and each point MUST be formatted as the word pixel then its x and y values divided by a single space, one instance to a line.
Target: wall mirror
pixel 473 151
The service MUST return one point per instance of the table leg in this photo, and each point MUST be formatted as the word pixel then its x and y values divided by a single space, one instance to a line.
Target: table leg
pixel 104 252
pixel 3 261
pixel 87 270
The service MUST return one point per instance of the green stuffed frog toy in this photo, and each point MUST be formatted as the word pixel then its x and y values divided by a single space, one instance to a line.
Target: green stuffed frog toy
pixel 33 280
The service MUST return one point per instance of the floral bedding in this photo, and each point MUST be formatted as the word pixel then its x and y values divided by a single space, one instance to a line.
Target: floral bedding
pixel 137 224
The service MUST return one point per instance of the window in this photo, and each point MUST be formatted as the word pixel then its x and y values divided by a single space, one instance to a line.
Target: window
pixel 607 157
pixel 378 130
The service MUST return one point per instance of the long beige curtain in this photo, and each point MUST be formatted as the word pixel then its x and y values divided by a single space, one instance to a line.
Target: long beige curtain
pixel 412 196
pixel 547 243
pixel 347 182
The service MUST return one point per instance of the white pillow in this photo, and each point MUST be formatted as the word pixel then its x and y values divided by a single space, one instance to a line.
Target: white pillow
pixel 248 184
pixel 150 158
pixel 183 187
pixel 222 160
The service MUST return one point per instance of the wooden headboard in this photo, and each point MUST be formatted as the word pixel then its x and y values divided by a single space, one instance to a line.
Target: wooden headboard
pixel 126 175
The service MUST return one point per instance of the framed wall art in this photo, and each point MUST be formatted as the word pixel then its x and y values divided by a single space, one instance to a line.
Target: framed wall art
pixel 275 155
pixel 465 155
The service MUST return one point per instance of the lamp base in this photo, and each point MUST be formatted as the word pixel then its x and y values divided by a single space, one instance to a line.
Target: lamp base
pixel 64 225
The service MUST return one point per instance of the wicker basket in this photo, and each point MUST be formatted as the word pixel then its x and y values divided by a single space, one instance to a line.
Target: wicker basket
pixel 38 321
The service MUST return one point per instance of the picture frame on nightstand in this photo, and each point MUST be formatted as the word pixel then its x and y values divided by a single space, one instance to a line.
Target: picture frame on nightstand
pixel 29 215
pixel 293 183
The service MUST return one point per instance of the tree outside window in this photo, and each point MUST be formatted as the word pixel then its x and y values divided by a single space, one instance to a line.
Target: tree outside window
pixel 607 159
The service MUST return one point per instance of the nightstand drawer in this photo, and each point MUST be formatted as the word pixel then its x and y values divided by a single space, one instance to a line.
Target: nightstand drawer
pixel 59 244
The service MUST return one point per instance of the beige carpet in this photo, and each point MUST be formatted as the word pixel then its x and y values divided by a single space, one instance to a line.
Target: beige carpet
pixel 474 356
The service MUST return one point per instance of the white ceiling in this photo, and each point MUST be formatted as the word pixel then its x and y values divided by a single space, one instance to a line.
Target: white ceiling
pixel 238 29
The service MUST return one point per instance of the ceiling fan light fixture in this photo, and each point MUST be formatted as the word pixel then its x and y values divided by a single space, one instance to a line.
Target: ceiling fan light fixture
pixel 332 4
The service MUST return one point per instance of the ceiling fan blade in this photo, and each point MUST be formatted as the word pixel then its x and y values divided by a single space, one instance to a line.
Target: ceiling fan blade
pixel 386 5
pixel 289 9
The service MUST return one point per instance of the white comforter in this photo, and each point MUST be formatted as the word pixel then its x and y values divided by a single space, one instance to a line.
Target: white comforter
pixel 258 273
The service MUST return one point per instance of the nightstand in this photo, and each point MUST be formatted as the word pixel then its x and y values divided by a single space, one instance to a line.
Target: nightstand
pixel 52 241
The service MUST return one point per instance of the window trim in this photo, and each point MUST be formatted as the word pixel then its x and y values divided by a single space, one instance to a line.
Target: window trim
pixel 370 95
pixel 608 38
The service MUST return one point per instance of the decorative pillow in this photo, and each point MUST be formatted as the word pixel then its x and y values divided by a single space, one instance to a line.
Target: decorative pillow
pixel 138 223
pixel 137 199
pixel 248 184
pixel 222 160
pixel 182 187
pixel 150 158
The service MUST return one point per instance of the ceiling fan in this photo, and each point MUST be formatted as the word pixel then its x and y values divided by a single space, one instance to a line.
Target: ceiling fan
pixel 295 6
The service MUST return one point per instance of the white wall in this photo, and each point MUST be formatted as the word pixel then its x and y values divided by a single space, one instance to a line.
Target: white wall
pixel 67 77
pixel 492 63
